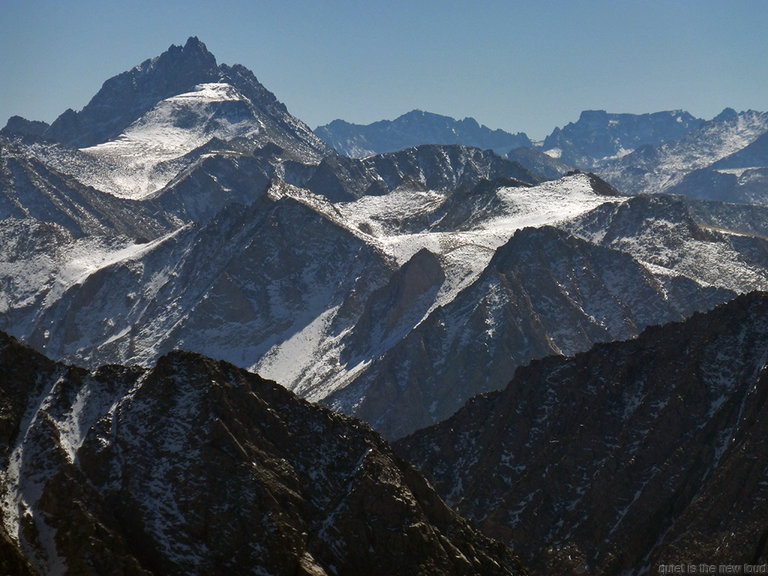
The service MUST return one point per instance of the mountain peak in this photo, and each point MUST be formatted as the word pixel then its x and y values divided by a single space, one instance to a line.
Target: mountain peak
pixel 726 114
pixel 194 52
pixel 18 126
pixel 125 97
pixel 194 43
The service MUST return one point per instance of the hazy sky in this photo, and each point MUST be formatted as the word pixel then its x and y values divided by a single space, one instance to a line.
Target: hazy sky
pixel 518 65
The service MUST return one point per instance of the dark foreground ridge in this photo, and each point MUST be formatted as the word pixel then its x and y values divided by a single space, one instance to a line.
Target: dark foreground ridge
pixel 198 467
pixel 634 455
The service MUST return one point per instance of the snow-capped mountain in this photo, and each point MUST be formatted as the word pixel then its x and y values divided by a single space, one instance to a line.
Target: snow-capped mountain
pixel 634 455
pixel 427 167
pixel 176 75
pixel 197 467
pixel 379 286
pixel 30 188
pixel 721 159
pixel 147 125
pixel 414 129
pixel 551 290
pixel 185 208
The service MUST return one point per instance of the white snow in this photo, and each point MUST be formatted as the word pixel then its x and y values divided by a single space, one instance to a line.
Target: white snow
pixel 547 203
pixel 288 361
pixel 147 155
pixel 90 254
pixel 738 172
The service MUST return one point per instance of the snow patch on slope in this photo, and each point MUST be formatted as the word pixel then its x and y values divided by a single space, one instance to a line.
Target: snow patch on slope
pixel 140 161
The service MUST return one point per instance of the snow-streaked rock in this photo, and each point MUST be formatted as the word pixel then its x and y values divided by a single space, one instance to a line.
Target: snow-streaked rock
pixel 663 168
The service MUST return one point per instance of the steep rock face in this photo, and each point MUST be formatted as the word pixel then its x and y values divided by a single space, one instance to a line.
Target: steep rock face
pixel 662 233
pixel 18 126
pixel 751 220
pixel 414 129
pixel 232 288
pixel 598 134
pixel 539 162
pixel 149 124
pixel 126 97
pixel 197 467
pixel 389 311
pixel 632 455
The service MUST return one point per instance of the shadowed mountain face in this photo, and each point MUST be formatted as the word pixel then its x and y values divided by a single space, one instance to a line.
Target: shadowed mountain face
pixel 602 276
pixel 632 455
pixel 197 467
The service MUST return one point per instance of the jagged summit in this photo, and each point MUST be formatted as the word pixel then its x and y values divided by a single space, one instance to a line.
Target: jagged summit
pixel 727 114
pixel 18 126
pixel 124 97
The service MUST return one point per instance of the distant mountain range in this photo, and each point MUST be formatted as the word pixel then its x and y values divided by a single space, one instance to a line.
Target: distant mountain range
pixel 721 159
pixel 598 135
pixel 185 208
pixel 413 129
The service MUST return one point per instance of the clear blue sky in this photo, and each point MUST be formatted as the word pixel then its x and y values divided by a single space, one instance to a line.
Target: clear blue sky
pixel 518 65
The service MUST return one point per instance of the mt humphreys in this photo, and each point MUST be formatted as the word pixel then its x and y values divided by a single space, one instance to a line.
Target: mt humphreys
pixel 390 272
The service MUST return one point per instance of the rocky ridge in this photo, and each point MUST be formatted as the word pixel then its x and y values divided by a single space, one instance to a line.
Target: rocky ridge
pixel 598 135
pixel 197 467
pixel 720 160
pixel 604 275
